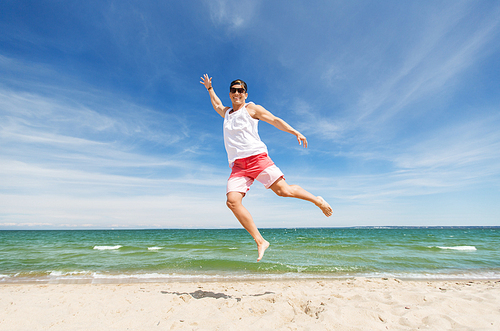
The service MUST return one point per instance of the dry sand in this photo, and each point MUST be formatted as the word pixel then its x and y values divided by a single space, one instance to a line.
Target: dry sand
pixel 355 304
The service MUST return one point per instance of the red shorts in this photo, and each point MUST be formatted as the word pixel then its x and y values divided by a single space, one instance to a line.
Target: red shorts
pixel 246 170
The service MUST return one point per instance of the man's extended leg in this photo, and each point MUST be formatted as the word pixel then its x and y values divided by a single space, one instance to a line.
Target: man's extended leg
pixel 281 188
pixel 234 202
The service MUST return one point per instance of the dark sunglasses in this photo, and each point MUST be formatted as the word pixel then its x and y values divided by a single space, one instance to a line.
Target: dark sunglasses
pixel 235 89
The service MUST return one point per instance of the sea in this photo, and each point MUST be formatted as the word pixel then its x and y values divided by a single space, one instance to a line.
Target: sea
pixel 177 255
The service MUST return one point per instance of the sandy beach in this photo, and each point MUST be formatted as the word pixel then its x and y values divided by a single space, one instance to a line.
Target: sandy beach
pixel 350 304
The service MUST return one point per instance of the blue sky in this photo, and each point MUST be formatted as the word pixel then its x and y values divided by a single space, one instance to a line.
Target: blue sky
pixel 103 122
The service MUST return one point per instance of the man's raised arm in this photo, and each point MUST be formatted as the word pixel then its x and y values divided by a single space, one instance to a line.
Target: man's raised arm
pixel 216 103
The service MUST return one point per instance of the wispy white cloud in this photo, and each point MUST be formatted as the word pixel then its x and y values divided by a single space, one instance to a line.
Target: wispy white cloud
pixel 24 177
pixel 67 163
pixel 453 158
pixel 432 65
pixel 232 14
pixel 24 113
pixel 173 210
pixel 376 82
pixel 470 145
pixel 67 137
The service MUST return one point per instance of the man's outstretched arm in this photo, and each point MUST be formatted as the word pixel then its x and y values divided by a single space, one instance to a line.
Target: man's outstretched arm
pixel 216 103
pixel 265 115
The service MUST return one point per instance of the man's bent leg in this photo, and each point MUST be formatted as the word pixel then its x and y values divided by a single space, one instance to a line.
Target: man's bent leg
pixel 234 202
pixel 281 188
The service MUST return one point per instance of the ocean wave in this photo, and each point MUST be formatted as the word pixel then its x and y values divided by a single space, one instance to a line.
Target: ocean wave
pixel 107 248
pixel 154 248
pixel 459 248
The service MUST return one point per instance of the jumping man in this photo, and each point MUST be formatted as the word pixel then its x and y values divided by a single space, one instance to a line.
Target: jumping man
pixel 247 156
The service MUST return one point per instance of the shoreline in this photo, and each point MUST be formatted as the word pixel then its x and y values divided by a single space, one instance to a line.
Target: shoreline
pixel 325 304
pixel 149 278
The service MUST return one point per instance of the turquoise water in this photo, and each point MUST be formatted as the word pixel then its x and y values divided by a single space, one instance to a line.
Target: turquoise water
pixel 100 256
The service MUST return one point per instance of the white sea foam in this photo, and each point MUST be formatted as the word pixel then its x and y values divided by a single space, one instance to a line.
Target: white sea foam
pixel 154 248
pixel 84 277
pixel 69 273
pixel 153 277
pixel 105 248
pixel 460 248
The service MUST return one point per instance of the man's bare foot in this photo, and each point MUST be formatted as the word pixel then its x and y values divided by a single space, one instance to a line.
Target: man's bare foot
pixel 325 207
pixel 261 249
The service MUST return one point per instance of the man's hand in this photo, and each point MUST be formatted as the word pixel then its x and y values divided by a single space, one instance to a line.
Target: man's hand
pixel 207 81
pixel 302 139
pixel 216 103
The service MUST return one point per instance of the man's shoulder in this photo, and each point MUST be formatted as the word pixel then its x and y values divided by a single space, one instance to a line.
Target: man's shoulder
pixel 254 106
pixel 252 109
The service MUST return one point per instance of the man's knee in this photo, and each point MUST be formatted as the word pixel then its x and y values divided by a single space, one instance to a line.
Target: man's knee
pixel 233 201
pixel 231 204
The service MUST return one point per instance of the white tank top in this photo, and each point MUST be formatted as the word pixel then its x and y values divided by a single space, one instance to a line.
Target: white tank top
pixel 241 136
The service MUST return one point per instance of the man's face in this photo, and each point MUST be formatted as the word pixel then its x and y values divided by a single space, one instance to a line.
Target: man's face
pixel 238 94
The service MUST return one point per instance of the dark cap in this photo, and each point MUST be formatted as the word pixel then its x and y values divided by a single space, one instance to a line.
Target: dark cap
pixel 239 82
